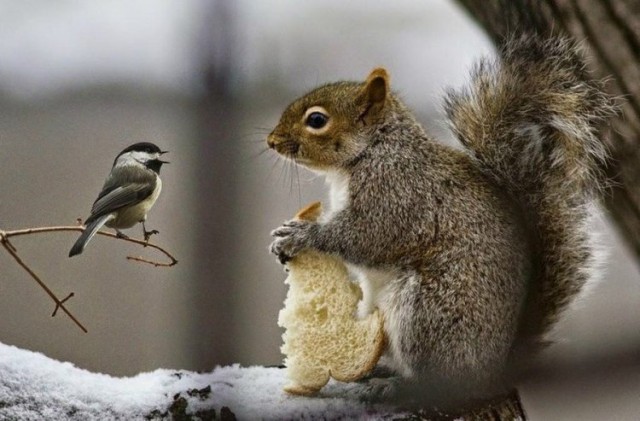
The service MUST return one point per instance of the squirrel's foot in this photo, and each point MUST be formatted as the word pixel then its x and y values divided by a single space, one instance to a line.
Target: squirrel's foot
pixel 380 371
pixel 378 389
pixel 292 237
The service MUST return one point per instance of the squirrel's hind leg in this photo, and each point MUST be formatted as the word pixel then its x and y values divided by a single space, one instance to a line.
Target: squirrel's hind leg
pixel 440 349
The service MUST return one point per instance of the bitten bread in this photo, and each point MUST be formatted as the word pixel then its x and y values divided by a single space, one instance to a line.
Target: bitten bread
pixel 323 337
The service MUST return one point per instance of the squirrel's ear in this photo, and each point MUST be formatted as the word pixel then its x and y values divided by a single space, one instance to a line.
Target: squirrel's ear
pixel 375 92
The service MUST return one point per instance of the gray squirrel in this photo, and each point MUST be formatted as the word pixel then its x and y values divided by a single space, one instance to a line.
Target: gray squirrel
pixel 471 255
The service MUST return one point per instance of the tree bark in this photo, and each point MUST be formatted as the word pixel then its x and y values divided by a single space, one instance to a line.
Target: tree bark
pixel 610 31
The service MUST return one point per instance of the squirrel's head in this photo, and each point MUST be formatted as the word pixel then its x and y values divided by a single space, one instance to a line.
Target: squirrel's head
pixel 331 125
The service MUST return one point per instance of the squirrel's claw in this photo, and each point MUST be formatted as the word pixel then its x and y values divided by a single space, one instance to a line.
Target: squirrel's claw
pixel 289 228
pixel 291 237
pixel 283 249
pixel 283 258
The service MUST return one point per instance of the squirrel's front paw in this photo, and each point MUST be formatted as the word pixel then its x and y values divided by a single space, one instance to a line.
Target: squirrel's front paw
pixel 292 237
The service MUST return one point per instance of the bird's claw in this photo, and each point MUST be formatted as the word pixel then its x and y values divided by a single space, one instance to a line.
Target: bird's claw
pixel 148 234
pixel 121 235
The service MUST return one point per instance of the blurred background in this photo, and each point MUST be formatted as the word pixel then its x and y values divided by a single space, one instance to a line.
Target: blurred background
pixel 207 80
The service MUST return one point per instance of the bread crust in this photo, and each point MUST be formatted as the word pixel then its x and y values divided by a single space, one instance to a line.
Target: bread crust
pixel 315 332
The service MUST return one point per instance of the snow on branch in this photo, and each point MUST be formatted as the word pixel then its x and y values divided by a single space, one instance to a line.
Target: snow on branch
pixel 33 386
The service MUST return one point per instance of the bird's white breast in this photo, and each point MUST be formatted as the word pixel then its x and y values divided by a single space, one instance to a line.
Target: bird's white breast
pixel 128 217
pixel 151 200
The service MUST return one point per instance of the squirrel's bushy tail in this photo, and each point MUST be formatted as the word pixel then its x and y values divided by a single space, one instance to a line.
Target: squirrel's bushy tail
pixel 531 120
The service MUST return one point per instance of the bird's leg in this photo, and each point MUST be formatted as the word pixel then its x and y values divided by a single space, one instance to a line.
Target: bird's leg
pixel 148 234
pixel 119 234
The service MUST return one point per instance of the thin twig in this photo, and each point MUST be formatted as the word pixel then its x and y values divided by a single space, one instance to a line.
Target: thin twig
pixel 4 240
pixel 64 300
pixel 173 261
pixel 59 303
pixel 151 262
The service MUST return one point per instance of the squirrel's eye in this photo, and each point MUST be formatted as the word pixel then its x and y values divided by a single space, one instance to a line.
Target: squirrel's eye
pixel 317 120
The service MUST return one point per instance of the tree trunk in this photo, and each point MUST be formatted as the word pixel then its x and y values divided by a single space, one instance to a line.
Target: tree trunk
pixel 610 30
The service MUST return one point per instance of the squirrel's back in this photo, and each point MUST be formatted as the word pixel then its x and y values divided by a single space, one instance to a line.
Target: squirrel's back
pixel 530 119
pixel 467 254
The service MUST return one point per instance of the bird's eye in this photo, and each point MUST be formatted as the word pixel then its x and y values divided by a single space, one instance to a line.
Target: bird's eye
pixel 317 120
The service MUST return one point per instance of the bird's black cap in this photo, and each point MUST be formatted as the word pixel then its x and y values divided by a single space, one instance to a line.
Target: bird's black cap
pixel 142 147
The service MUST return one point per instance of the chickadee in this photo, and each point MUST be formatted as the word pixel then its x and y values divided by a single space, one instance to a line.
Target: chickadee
pixel 130 190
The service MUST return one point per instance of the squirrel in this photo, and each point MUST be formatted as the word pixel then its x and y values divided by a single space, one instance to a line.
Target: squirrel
pixel 471 255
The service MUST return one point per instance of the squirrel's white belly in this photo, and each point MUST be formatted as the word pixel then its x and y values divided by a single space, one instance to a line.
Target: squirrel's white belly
pixel 372 282
pixel 338 182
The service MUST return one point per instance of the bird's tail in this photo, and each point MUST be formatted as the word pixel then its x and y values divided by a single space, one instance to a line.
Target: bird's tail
pixel 89 231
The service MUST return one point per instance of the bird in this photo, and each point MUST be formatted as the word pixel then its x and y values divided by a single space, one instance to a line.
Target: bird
pixel 128 193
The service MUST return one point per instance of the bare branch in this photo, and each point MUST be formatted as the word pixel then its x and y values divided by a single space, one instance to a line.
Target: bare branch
pixel 11 249
pixel 4 240
pixel 64 300
pixel 27 231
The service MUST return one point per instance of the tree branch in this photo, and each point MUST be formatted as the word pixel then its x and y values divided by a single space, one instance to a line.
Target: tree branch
pixel 33 384
pixel 40 230
pixel 13 252
pixel 59 303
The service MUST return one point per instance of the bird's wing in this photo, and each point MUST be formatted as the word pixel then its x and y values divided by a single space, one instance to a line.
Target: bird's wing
pixel 123 187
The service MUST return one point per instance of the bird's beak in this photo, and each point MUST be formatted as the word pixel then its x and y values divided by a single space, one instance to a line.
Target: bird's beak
pixel 162 153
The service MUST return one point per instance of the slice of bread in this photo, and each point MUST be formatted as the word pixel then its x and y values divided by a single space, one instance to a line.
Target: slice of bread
pixel 323 336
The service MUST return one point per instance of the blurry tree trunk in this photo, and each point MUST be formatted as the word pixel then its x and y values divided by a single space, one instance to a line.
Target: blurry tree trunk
pixel 217 114
pixel 610 30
